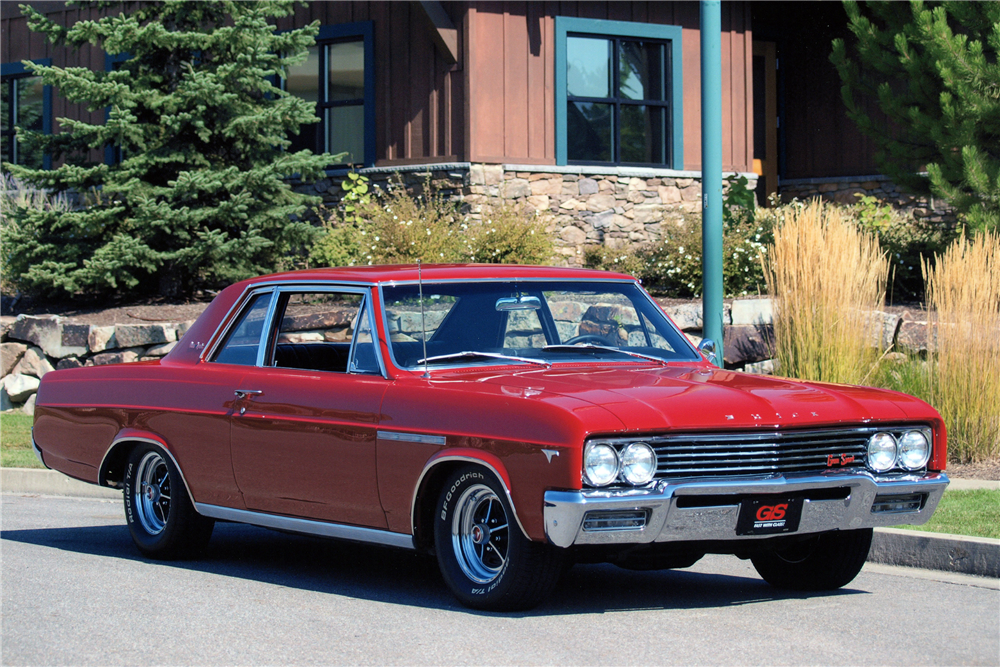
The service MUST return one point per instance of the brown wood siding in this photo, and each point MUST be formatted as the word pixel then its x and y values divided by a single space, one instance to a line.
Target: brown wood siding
pixel 418 94
pixel 512 109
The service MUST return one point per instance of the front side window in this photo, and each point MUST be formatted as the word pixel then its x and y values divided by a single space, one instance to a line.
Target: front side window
pixel 24 104
pixel 337 76
pixel 618 93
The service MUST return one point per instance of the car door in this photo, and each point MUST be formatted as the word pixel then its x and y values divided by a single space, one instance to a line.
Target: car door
pixel 304 427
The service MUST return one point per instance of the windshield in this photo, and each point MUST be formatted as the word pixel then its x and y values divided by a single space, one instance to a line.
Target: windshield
pixel 526 322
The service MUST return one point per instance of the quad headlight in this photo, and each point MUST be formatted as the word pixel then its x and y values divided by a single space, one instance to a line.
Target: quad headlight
pixel 914 450
pixel 600 464
pixel 881 452
pixel 604 464
pixel 638 462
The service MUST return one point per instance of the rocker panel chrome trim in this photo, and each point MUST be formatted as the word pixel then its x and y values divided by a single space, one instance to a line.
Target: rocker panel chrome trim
pixel 412 437
pixel 335 530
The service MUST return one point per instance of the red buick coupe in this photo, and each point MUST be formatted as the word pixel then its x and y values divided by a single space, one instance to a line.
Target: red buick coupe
pixel 511 420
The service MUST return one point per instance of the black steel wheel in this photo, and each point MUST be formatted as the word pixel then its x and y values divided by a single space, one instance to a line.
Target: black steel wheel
pixel 821 563
pixel 160 516
pixel 484 557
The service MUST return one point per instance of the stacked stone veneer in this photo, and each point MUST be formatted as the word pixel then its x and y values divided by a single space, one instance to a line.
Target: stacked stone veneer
pixel 614 207
pixel 847 190
pixel 34 346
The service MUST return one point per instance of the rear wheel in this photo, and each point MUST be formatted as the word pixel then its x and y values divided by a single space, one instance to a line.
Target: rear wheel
pixel 160 516
pixel 821 563
pixel 484 558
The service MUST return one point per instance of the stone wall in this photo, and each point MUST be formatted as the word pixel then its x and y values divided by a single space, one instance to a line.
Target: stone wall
pixel 847 190
pixel 583 206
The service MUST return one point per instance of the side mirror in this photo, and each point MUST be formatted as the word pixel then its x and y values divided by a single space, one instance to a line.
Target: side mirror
pixel 707 347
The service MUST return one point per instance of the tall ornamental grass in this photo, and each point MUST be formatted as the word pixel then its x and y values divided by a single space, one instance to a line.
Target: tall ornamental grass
pixel 963 300
pixel 826 276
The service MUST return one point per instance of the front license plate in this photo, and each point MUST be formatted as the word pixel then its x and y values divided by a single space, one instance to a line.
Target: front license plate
pixel 765 516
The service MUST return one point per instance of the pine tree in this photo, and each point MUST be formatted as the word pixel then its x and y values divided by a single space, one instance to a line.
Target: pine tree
pixel 933 68
pixel 200 195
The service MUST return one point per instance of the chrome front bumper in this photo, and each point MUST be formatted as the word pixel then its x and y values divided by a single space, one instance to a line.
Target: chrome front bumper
pixel 715 518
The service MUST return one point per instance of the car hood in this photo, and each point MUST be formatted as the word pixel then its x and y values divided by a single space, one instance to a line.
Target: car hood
pixel 700 397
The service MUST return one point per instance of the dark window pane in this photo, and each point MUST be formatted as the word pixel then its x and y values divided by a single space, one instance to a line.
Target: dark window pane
pixel 243 340
pixel 345 131
pixel 303 79
pixel 30 103
pixel 588 67
pixel 588 131
pixel 346 70
pixel 643 135
pixel 641 71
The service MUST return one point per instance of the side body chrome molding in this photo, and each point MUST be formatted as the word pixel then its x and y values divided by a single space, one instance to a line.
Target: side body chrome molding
pixel 291 524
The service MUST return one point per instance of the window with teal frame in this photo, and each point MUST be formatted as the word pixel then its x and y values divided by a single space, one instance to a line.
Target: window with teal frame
pixel 619 94
pixel 25 103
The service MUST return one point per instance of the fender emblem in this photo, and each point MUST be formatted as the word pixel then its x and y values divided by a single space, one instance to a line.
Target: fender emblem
pixel 549 453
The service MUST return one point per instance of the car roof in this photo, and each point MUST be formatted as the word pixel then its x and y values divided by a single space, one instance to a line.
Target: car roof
pixel 437 272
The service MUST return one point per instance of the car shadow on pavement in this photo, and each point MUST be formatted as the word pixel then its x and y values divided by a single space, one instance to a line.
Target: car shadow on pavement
pixel 401 577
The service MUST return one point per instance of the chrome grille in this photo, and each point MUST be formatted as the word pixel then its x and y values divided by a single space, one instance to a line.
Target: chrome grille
pixel 702 455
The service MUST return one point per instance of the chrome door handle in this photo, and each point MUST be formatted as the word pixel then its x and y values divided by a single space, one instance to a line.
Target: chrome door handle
pixel 247 393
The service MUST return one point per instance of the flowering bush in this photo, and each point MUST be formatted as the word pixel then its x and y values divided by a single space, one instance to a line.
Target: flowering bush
pixel 394 227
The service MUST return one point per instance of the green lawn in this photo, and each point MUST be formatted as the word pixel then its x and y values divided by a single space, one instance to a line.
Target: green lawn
pixel 975 513
pixel 15 441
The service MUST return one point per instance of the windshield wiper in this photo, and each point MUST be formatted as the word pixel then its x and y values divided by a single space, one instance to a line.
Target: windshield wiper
pixel 472 354
pixel 606 348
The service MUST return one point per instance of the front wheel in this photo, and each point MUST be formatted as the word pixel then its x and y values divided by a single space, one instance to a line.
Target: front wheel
pixel 820 563
pixel 484 558
pixel 160 516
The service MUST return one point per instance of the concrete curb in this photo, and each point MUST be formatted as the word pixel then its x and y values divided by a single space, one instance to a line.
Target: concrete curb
pixel 890 546
pixel 51 483
pixel 936 551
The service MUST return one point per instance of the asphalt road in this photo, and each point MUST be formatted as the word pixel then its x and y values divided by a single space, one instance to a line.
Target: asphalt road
pixel 75 592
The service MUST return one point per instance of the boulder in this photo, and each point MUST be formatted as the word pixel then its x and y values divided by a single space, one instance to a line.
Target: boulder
pixel 161 350
pixel 47 333
pixel 117 357
pixel 20 387
pixel 745 344
pixel 752 311
pixel 33 362
pixel 687 316
pixel 69 362
pixel 10 354
pixel 101 338
pixel 137 335
pixel 29 406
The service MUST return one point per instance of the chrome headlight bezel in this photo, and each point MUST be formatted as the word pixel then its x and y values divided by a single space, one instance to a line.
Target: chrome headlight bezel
pixel 881 452
pixel 638 464
pixel 905 445
pixel 601 464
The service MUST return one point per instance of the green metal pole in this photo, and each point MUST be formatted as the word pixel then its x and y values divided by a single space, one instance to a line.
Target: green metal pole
pixel 711 172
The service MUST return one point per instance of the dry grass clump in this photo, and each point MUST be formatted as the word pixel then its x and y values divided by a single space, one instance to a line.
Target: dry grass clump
pixel 963 300
pixel 826 276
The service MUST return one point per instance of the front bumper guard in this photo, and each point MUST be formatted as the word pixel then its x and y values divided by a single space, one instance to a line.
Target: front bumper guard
pixel 715 518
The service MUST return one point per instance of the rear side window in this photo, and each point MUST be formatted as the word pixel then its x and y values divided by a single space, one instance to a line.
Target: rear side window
pixel 243 340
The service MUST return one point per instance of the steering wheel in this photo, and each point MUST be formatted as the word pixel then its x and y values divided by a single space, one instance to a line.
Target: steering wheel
pixel 588 338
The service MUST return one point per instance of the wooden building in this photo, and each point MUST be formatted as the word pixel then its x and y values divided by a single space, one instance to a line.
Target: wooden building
pixel 514 98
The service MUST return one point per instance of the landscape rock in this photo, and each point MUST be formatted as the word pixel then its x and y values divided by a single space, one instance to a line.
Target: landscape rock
pixel 101 338
pixel 752 311
pixel 69 362
pixel 744 344
pixel 135 335
pixel 46 333
pixel 10 354
pixel 912 337
pixel 161 350
pixel 20 387
pixel 33 362
pixel 687 316
pixel 29 406
pixel 117 357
